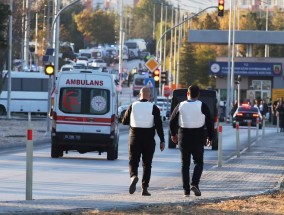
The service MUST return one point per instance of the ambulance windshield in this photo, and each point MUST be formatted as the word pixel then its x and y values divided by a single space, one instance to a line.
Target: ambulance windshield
pixel 84 101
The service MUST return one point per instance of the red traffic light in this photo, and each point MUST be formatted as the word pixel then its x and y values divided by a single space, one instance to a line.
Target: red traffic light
pixel 221 7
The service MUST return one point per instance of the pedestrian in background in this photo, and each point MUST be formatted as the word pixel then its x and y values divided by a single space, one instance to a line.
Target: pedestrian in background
pixel 144 119
pixel 280 114
pixel 191 117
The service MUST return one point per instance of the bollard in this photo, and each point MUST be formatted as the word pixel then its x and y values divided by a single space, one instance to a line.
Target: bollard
pixel 238 139
pixel 220 146
pixel 257 130
pixel 29 161
pixel 263 127
pixel 277 123
pixel 249 125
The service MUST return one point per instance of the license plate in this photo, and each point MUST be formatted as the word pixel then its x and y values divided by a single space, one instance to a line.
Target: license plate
pixel 72 137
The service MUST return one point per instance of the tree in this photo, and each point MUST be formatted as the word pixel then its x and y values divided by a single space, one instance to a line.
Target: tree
pixel 68 29
pixel 277 21
pixel 188 73
pixel 98 25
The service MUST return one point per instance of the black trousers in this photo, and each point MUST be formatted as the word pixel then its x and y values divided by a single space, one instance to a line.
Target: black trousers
pixel 191 143
pixel 141 144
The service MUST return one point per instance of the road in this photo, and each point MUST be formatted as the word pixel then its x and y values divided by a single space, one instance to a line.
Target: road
pixel 89 174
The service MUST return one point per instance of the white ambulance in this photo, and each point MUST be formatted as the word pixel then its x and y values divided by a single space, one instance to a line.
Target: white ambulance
pixel 84 116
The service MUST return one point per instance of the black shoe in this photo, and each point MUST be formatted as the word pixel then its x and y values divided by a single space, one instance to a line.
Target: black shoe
pixel 196 190
pixel 132 187
pixel 186 193
pixel 145 192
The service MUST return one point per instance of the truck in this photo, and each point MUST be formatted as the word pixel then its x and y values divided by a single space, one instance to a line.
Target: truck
pixel 135 47
pixel 210 98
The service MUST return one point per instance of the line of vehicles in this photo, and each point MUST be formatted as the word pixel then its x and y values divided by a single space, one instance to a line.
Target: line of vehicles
pixel 131 49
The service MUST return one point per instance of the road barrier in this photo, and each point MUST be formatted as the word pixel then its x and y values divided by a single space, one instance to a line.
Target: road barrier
pixel 29 161
pixel 249 126
pixel 277 123
pixel 220 146
pixel 263 126
pixel 257 130
pixel 238 140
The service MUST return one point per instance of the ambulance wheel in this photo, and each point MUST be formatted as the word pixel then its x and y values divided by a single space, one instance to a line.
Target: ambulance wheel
pixel 2 110
pixel 56 152
pixel 112 152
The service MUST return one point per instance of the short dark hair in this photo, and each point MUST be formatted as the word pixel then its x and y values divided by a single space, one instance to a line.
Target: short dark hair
pixel 194 91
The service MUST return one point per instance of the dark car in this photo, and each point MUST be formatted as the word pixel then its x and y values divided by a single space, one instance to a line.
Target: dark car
pixel 209 97
pixel 246 113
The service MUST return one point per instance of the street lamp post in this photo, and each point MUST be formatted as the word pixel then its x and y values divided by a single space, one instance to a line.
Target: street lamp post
pixel 266 29
pixel 10 60
pixel 121 41
pixel 56 41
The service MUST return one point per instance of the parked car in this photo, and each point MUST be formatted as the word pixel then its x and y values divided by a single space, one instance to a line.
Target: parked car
pixel 246 113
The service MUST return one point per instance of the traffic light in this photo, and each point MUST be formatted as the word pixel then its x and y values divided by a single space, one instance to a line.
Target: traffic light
pixel 49 69
pixel 147 57
pixel 238 79
pixel 164 77
pixel 156 76
pixel 221 7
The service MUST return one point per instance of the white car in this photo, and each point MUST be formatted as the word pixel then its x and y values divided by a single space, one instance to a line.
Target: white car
pixel 66 67
pixel 164 109
pixel 98 63
pixel 121 111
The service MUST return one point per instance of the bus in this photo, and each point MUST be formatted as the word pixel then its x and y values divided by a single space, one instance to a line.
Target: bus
pixel 29 93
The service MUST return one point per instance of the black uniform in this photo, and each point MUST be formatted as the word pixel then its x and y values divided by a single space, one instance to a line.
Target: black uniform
pixel 142 142
pixel 191 139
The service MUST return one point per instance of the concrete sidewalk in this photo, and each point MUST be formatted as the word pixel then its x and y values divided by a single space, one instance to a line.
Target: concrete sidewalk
pixel 259 170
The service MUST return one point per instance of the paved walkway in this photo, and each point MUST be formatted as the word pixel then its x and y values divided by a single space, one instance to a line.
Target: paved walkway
pixel 259 170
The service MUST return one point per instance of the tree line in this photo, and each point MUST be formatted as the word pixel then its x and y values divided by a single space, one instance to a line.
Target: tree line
pixel 85 26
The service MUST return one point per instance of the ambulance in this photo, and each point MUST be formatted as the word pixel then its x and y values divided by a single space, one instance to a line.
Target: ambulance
pixel 84 115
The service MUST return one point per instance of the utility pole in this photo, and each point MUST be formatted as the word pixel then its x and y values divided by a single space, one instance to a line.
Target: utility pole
pixel 56 38
pixel 120 41
pixel 154 21
pixel 228 100
pixel 179 44
pixel 27 33
pixel 171 49
pixel 10 60
pixel 165 43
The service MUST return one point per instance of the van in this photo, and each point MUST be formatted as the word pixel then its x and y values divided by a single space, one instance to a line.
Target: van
pixel 209 97
pixel 84 115
pixel 138 83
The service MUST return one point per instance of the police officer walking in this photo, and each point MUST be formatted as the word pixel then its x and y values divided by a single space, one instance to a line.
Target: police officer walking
pixel 191 117
pixel 144 118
